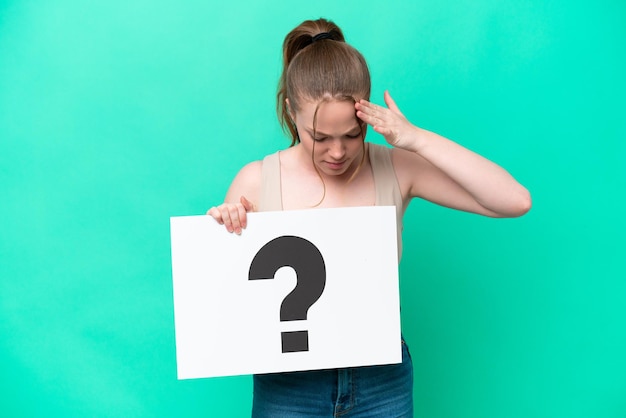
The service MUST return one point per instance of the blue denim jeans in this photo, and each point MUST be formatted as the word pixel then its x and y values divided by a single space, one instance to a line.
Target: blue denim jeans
pixel 359 392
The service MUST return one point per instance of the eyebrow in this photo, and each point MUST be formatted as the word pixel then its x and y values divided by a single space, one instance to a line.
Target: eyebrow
pixel 349 131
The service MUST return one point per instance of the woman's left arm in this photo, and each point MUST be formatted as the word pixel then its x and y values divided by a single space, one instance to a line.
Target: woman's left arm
pixel 439 170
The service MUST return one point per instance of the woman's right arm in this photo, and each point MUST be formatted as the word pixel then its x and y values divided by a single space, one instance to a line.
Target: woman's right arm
pixel 242 197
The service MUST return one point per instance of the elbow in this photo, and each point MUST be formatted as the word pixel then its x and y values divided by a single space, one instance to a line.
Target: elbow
pixel 522 204
pixel 515 207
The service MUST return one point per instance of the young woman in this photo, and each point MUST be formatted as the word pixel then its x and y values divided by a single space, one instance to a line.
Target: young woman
pixel 323 102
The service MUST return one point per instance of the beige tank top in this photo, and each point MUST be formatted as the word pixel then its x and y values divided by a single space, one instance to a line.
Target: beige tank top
pixel 385 182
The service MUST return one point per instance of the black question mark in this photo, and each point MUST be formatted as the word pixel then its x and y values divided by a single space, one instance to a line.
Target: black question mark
pixel 307 261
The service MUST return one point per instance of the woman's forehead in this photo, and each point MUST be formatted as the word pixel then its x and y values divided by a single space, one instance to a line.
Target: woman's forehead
pixel 331 116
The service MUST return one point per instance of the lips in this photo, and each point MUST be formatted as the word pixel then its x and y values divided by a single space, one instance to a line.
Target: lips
pixel 336 165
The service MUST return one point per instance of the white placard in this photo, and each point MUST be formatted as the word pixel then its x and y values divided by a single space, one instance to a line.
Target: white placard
pixel 228 323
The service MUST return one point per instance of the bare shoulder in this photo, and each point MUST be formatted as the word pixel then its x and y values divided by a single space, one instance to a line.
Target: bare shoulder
pixel 246 183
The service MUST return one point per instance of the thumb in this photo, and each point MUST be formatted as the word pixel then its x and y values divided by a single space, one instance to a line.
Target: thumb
pixel 247 205
pixel 391 104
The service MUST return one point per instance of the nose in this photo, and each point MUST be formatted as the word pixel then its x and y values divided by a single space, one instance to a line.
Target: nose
pixel 337 149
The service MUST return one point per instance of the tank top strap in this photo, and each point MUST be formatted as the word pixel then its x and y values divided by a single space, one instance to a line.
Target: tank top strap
pixel 271 197
pixel 387 186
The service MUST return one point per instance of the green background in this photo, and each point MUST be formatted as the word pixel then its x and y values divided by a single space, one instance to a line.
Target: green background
pixel 116 115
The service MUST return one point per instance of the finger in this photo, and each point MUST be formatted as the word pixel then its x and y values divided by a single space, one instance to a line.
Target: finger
pixel 382 130
pixel 372 108
pixel 369 117
pixel 215 213
pixel 248 206
pixel 365 117
pixel 226 219
pixel 243 218
pixel 391 104
pixel 235 221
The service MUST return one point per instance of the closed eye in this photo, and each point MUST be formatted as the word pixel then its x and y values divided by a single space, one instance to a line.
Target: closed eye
pixel 322 136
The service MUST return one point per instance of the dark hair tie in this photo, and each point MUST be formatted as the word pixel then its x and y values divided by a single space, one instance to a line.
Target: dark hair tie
pixel 322 35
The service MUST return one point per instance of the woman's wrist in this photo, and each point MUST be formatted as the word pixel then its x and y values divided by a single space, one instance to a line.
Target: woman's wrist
pixel 414 140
